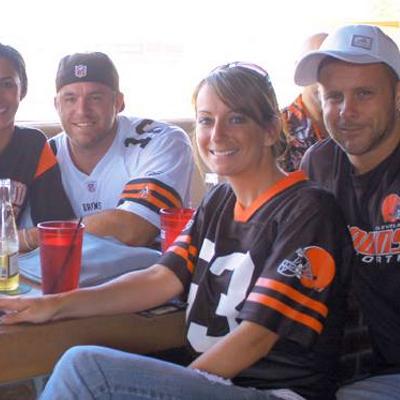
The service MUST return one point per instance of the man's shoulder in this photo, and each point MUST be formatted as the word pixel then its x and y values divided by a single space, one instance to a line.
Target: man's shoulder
pixel 141 134
pixel 59 138
pixel 323 159
pixel 146 127
pixel 311 195
pixel 58 141
pixel 322 152
pixel 324 148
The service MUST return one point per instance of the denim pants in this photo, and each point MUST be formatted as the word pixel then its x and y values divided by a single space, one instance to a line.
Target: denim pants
pixel 92 372
pixel 379 387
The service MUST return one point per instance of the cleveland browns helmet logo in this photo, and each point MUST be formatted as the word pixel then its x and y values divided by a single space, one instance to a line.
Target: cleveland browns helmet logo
pixel 313 266
pixel 391 208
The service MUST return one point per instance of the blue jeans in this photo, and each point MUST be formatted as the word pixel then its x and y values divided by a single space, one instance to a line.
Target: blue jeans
pixel 379 387
pixel 92 372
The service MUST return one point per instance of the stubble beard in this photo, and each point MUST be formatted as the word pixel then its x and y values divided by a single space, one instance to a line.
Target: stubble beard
pixel 379 137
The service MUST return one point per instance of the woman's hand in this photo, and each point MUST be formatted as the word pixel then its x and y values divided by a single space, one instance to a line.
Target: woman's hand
pixel 131 292
pixel 28 309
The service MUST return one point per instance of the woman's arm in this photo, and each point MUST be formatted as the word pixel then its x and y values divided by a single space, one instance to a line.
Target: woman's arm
pixel 235 352
pixel 136 291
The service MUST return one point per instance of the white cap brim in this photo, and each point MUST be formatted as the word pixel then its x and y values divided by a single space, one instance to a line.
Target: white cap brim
pixel 306 72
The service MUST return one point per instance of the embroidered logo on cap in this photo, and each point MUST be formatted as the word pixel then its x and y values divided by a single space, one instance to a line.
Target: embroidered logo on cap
pixel 80 71
pixel 361 41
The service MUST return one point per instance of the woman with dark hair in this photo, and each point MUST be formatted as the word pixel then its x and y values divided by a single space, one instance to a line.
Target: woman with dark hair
pixel 263 264
pixel 25 157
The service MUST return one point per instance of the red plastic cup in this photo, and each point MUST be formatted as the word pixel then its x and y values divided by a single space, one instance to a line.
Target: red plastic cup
pixel 60 255
pixel 173 220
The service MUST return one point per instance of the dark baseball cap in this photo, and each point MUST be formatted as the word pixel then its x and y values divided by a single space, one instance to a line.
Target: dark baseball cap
pixel 87 67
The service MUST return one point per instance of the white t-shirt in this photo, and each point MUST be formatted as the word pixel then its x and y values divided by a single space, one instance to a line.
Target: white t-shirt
pixel 148 166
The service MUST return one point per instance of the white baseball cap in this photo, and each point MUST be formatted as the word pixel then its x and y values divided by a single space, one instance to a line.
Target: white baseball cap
pixel 358 44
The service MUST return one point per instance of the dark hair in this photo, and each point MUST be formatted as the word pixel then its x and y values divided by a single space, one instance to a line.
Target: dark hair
pixel 12 55
pixel 246 88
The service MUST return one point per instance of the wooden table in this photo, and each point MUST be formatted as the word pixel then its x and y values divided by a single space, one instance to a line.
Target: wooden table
pixel 28 350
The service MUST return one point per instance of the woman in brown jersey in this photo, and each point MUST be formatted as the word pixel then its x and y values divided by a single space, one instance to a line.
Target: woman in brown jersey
pixel 262 265
pixel 25 157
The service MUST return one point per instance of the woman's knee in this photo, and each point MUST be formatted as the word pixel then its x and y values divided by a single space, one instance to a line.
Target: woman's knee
pixel 78 356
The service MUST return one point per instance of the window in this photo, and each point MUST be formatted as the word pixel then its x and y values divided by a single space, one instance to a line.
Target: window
pixel 162 48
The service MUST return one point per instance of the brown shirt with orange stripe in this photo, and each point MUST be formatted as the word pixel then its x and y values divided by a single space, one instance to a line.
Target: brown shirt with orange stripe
pixel 36 179
pixel 282 263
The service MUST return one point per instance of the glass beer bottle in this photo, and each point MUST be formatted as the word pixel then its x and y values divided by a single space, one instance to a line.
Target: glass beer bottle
pixel 9 271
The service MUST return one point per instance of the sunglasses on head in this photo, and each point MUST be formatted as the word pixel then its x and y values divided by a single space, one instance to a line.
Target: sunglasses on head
pixel 253 67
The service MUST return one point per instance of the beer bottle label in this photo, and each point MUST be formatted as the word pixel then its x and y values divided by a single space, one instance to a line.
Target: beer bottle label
pixel 8 265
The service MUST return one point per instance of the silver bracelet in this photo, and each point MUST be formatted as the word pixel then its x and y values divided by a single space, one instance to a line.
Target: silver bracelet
pixel 213 378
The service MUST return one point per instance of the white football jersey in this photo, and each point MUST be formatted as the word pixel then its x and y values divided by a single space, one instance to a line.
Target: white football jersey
pixel 148 166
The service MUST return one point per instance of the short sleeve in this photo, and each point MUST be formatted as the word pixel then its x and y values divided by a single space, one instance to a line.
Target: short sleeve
pixel 163 176
pixel 182 256
pixel 309 263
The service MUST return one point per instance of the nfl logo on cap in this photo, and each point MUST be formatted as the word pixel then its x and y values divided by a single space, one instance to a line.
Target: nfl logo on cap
pixel 87 67
pixel 80 71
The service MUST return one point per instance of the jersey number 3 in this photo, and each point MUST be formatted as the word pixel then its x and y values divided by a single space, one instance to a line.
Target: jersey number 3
pixel 242 268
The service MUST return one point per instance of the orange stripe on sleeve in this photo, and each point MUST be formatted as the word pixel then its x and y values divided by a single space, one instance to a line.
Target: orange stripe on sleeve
pixel 192 250
pixel 287 311
pixel 294 294
pixel 47 160
pixel 152 187
pixel 184 254
pixel 148 197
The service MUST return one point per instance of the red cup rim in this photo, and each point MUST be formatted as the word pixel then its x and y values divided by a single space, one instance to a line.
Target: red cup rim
pixel 167 211
pixel 66 225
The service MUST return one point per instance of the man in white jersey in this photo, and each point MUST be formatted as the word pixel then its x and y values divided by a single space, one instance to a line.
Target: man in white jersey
pixel 117 171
